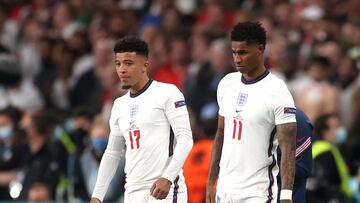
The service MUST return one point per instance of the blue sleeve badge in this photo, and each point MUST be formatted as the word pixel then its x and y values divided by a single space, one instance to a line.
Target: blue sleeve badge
pixel 289 110
pixel 180 103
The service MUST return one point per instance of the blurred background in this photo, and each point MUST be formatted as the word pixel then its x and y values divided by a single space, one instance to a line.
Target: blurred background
pixel 58 82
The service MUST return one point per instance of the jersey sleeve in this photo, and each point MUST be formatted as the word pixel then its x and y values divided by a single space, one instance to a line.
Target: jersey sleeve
pixel 110 160
pixel 219 95
pixel 175 104
pixel 178 116
pixel 283 105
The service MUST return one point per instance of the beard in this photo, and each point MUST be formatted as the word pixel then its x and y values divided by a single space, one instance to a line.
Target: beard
pixel 126 87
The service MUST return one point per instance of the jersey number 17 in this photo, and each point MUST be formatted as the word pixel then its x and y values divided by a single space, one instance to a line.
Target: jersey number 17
pixel 132 134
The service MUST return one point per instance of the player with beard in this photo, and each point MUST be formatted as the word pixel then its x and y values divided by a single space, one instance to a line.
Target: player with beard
pixel 150 126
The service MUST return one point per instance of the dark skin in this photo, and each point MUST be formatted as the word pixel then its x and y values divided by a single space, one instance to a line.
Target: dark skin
pixel 215 160
pixel 248 59
pixel 132 71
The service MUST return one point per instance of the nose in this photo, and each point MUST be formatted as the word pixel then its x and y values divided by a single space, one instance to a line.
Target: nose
pixel 237 58
pixel 121 69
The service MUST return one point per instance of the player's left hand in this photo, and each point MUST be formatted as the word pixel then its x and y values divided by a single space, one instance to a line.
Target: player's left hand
pixel 160 189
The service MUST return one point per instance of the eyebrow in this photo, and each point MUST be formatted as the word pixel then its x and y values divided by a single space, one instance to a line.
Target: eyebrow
pixel 125 60
pixel 239 51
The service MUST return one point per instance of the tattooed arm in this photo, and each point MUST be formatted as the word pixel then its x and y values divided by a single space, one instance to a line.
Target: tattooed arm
pixel 287 139
pixel 215 160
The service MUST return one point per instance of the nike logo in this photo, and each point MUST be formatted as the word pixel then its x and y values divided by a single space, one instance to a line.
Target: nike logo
pixel 237 111
pixel 300 139
pixel 131 122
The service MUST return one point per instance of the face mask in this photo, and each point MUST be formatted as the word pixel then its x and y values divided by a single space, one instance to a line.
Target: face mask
pixel 5 132
pixel 99 144
pixel 341 135
pixel 57 133
pixel 69 125
pixel 354 184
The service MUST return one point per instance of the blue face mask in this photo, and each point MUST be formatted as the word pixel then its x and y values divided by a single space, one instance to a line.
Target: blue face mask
pixel 99 144
pixel 69 125
pixel 5 132
pixel 341 135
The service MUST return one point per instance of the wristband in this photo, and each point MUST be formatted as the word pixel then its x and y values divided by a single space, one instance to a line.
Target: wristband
pixel 286 195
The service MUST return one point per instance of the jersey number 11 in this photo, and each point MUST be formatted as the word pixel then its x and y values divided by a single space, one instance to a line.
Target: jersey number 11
pixel 237 129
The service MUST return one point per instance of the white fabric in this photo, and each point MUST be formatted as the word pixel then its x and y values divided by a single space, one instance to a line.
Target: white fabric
pixel 8 34
pixel 231 198
pixel 248 163
pixel 145 197
pixel 150 115
pixel 25 97
pixel 285 194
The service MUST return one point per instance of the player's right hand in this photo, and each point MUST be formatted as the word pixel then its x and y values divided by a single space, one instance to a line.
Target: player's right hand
pixel 94 200
pixel 210 193
pixel 160 189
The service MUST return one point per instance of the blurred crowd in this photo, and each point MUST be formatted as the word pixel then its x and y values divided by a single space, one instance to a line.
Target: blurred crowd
pixel 58 82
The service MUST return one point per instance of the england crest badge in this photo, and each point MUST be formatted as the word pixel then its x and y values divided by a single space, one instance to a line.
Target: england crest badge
pixel 242 98
pixel 133 112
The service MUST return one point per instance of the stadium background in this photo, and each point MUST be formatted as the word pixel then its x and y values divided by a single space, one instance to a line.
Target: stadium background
pixel 57 79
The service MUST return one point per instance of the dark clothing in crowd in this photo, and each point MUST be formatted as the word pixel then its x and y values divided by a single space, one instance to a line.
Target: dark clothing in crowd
pixel 39 167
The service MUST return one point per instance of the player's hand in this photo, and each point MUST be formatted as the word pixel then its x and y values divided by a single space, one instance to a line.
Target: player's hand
pixel 285 201
pixel 95 200
pixel 160 189
pixel 210 193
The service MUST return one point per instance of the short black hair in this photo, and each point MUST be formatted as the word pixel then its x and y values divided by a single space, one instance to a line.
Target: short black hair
pixel 321 124
pixel 131 44
pixel 85 112
pixel 13 113
pixel 323 61
pixel 44 122
pixel 250 32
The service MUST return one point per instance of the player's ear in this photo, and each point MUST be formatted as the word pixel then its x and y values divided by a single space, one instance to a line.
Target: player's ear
pixel 261 48
pixel 146 65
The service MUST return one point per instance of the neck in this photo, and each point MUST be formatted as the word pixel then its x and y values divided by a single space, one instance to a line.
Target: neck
pixel 255 73
pixel 137 87
pixel 36 144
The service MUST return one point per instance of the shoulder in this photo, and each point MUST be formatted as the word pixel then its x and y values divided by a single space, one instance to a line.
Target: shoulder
pixel 120 102
pixel 163 85
pixel 121 99
pixel 229 79
pixel 164 88
pixel 276 84
pixel 276 81
pixel 304 124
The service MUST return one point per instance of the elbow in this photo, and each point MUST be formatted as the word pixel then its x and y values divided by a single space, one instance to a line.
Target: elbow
pixel 189 143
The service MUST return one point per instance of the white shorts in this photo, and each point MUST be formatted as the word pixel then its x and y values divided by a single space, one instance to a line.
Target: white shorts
pixel 145 197
pixel 229 198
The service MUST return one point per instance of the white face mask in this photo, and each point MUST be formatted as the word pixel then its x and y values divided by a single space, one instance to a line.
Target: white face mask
pixel 5 132
pixel 341 135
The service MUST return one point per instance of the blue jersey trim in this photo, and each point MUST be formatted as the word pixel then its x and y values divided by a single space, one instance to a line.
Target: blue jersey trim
pixel 147 85
pixel 249 82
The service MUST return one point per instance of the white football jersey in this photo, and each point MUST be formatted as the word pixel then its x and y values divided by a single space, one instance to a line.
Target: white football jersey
pixel 144 119
pixel 251 110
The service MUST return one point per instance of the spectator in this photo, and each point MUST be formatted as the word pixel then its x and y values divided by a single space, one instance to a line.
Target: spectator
pixel 15 91
pixel 40 165
pixel 87 164
pixel 39 192
pixel 318 96
pixel 329 181
pixel 11 149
